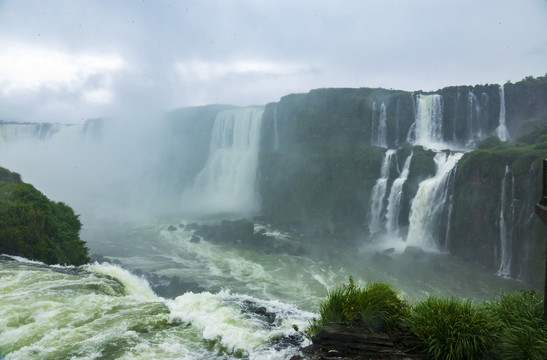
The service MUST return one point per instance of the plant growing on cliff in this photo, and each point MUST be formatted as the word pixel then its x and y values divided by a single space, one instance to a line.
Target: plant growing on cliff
pixel 452 328
pixel 375 306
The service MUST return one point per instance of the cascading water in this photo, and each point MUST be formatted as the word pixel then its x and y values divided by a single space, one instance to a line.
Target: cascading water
pixel 381 137
pixel 29 132
pixel 227 183
pixel 501 130
pixel 373 137
pixel 428 122
pixel 378 195
pixel 276 131
pixel 473 120
pixel 484 112
pixel 429 204
pixel 394 200
pixel 397 121
pixel 507 207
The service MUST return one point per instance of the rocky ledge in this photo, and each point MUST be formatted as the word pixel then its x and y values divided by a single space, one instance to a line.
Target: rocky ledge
pixel 337 341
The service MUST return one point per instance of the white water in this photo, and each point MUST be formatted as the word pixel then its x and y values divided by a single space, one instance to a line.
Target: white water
pixel 378 194
pixel 501 130
pixel 104 312
pixel 227 183
pixel 394 200
pixel 373 127
pixel 381 138
pixel 428 122
pixel 249 299
pixel 276 130
pixel 506 222
pixel 473 120
pixel 428 204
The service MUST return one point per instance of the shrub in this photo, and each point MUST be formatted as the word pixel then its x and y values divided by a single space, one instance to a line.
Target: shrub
pixel 376 307
pixel 452 328
pixel 520 331
pixel 34 227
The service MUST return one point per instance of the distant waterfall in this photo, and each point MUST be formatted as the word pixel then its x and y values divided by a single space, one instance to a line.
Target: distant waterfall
pixel 429 205
pixel 373 125
pixel 227 183
pixel 381 138
pixel 397 121
pixel 473 120
pixel 501 130
pixel 378 195
pixel 29 132
pixel 394 200
pixel 276 131
pixel 507 214
pixel 428 121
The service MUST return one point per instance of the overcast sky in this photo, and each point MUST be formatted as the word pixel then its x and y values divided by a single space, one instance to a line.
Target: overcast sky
pixel 66 61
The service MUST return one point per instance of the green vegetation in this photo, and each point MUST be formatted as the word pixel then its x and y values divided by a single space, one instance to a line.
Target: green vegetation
pixel 375 306
pixel 452 328
pixel 509 327
pixel 34 227
pixel 477 190
pixel 520 332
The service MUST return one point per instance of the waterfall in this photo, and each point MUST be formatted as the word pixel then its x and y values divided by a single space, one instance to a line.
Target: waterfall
pixel 473 120
pixel 397 121
pixel 394 200
pixel 276 132
pixel 381 137
pixel 428 121
pixel 507 214
pixel 227 183
pixel 372 125
pixel 450 193
pixel 378 194
pixel 13 132
pixel 484 114
pixel 501 130
pixel 455 118
pixel 428 210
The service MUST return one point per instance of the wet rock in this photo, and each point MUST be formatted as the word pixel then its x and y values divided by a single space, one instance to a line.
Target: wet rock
pixel 261 312
pixel 195 239
pixel 380 257
pixel 414 252
pixel 284 342
pixel 336 341
pixel 171 228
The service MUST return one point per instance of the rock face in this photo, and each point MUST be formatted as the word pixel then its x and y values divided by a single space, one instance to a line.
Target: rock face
pixel 336 341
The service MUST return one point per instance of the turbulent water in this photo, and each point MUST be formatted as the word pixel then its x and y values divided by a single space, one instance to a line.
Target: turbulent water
pixel 226 303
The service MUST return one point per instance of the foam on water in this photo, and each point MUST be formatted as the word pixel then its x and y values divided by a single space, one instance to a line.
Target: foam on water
pixel 103 311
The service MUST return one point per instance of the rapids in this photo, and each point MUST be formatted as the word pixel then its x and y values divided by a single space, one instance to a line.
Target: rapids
pixel 243 306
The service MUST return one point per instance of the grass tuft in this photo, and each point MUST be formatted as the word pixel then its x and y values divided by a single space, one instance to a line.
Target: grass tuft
pixel 376 307
pixel 452 328
pixel 520 332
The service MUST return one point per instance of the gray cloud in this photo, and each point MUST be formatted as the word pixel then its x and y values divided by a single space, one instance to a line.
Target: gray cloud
pixel 178 53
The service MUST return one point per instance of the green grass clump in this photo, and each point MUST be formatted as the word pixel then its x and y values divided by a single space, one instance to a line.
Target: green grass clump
pixel 452 328
pixel 520 331
pixel 376 307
